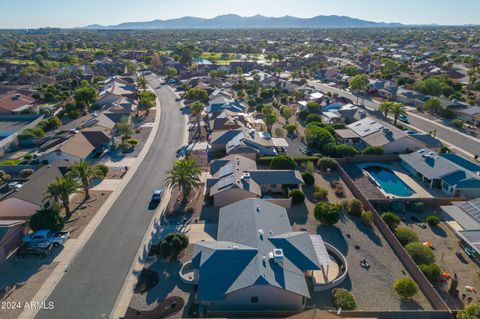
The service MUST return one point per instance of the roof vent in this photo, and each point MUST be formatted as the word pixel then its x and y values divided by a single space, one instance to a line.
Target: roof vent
pixel 278 255
pixel 235 247
pixel 246 175
pixel 260 232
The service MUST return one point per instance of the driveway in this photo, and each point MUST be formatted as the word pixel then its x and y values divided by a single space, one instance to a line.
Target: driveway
pixel 96 276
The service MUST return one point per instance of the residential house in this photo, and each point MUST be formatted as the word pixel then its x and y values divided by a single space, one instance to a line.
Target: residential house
pixel 470 115
pixel 452 173
pixel 373 132
pixel 23 203
pixel 236 177
pixel 11 234
pixel 257 264
pixel 339 112
pixel 15 102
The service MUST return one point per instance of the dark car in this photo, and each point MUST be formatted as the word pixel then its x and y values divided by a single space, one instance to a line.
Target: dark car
pixel 157 195
pixel 39 249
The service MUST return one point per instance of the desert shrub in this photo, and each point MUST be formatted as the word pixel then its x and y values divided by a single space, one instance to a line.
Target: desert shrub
pixel 297 196
pixel 373 150
pixel 291 128
pixel 320 194
pixel 406 288
pixel 325 163
pixel 344 299
pixel 103 168
pixel 417 206
pixel 48 218
pixel 432 272
pixel 472 311
pixel 308 178
pixel 339 189
pixel 367 217
pixel 327 213
pixel 132 142
pixel 24 173
pixel 406 235
pixel 433 220
pixel 420 253
pixel 391 220
pixel 355 207
pixel 172 245
pixel 279 132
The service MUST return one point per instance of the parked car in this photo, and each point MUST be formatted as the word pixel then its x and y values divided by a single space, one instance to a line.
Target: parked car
pixel 403 118
pixel 50 236
pixel 157 195
pixel 40 249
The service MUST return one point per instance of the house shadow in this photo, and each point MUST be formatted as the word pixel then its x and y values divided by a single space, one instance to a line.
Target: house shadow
pixel 169 278
pixel 298 214
pixel 333 236
pixel 369 231
pixel 410 305
pixel 437 230
pixel 17 271
pixel 209 213
pixel 211 229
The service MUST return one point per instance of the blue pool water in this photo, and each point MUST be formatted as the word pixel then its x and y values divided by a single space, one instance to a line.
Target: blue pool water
pixel 389 182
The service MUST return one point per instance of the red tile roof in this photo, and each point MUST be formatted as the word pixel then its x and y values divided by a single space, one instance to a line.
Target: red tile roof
pixel 12 101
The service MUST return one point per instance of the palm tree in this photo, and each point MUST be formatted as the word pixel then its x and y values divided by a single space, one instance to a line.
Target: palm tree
pixel 185 175
pixel 385 108
pixel 397 110
pixel 85 173
pixel 60 191
pixel 433 104
pixel 270 117
pixel 197 108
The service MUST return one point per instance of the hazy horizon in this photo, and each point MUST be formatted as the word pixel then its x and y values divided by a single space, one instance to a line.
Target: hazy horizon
pixel 65 14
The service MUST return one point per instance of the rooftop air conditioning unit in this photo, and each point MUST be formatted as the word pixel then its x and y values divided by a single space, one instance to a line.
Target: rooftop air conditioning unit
pixel 278 255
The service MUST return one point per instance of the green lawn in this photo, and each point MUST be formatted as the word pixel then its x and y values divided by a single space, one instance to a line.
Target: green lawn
pixel 11 162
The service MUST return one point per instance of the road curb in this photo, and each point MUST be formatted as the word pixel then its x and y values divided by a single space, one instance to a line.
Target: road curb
pixel 72 248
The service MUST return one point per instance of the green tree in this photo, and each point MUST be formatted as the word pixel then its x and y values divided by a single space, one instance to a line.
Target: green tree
pixel 313 107
pixel 432 272
pixel 391 220
pixel 197 94
pixel 398 109
pixel 171 71
pixel 318 137
pixel 373 150
pixel 270 117
pixel 297 196
pixel 406 288
pixel 197 108
pixel 385 108
pixel 146 101
pixel 46 218
pixel 85 95
pixel 124 128
pixel 60 191
pixel 406 235
pixel 420 253
pixel 85 172
pixel 430 86
pixel 359 83
pixel 433 105
pixel 471 311
pixel 142 83
pixel 286 112
pixel 283 162
pixel 184 175
pixel 344 299
pixel 327 213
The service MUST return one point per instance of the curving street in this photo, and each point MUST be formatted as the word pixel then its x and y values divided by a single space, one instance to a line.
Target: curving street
pixel 95 277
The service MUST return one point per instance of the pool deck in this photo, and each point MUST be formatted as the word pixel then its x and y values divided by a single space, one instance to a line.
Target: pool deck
pixel 372 191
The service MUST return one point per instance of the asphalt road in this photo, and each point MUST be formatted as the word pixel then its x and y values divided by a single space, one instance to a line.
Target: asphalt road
pixel 449 136
pixel 93 282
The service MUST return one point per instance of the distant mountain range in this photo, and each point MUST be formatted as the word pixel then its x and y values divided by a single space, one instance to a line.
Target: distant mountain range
pixel 233 21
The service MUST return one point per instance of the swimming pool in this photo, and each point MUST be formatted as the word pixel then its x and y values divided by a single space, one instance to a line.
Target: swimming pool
pixel 389 182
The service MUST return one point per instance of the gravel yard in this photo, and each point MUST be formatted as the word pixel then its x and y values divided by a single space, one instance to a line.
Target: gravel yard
pixel 446 244
pixel 373 288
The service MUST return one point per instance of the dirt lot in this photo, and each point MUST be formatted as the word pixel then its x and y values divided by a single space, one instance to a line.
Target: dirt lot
pixel 445 245
pixel 373 288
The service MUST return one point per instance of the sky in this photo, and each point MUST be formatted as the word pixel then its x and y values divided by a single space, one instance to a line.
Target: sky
pixel 78 13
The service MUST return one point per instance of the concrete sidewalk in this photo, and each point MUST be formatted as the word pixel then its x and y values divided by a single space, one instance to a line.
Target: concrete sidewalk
pixel 73 247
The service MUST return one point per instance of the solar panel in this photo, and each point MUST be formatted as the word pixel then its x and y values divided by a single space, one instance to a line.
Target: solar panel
pixel 225 182
pixel 472 208
pixel 226 170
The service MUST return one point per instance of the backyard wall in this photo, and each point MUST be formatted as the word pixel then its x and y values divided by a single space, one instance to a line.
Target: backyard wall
pixel 428 290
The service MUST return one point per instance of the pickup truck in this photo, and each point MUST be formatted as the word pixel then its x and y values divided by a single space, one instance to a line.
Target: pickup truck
pixel 53 237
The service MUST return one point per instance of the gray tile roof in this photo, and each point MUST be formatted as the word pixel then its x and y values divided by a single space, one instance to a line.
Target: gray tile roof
pixel 248 232
pixel 271 177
